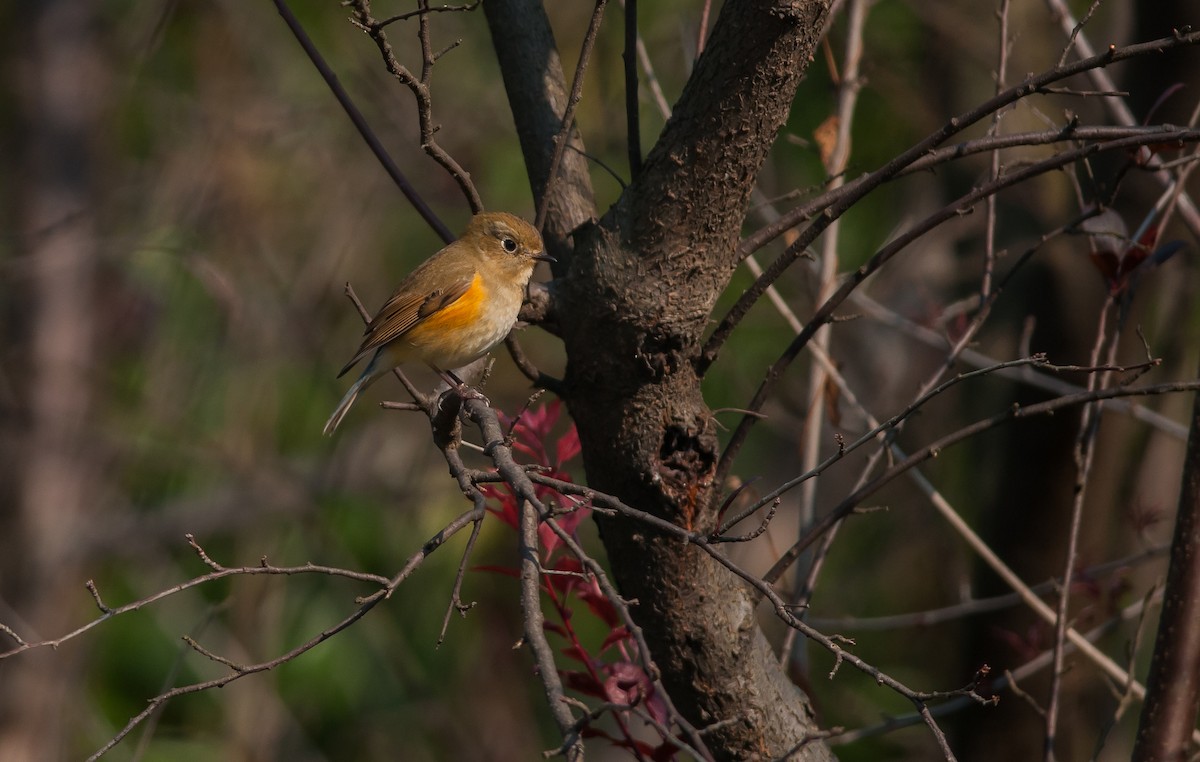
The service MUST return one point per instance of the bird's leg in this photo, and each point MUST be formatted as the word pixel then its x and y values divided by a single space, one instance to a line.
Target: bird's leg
pixel 460 388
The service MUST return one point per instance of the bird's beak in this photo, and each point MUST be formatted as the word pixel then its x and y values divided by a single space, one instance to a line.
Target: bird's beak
pixel 545 258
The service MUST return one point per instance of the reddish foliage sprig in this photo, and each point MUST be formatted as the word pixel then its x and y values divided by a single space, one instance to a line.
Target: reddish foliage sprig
pixel 530 431
pixel 613 671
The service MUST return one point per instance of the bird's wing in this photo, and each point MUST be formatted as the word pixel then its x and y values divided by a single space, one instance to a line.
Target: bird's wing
pixel 403 311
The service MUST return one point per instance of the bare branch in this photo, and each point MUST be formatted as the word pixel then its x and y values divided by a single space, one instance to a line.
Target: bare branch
pixel 419 87
pixel 1173 685
pixel 431 9
pixel 1016 412
pixel 537 94
pixel 365 606
pixel 1084 456
pixel 633 130
pixel 956 611
pixel 953 126
pixel 1117 107
pixel 824 314
pixel 1070 132
pixel 360 123
pixel 568 118
pixel 220 572
pixel 1005 682
pixel 531 511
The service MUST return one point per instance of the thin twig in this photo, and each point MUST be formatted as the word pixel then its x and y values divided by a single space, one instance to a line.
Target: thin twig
pixel 456 603
pixel 1016 412
pixel 633 130
pixel 977 606
pixel 1004 682
pixel 531 510
pixel 696 747
pixel 1083 454
pixel 364 606
pixel 836 157
pixel 989 252
pixel 872 181
pixel 824 313
pixel 419 87
pixel 1070 132
pixel 781 607
pixel 1033 377
pixel 233 571
pixel 885 427
pixel 360 123
pixel 568 120
pixel 1118 108
pixel 431 9
pixel 529 370
pixel 702 31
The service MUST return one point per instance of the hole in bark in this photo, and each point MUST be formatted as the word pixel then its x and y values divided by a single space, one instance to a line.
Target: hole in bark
pixel 683 458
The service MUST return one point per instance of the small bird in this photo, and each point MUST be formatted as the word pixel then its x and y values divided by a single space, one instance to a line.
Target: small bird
pixel 454 307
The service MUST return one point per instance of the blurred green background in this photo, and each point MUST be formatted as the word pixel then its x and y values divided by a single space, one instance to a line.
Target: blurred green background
pixel 182 203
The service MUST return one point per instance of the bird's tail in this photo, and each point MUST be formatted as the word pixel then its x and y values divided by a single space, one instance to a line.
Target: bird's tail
pixel 344 406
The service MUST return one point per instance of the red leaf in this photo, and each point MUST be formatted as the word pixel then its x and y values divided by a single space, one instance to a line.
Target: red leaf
pixel 534 426
pixel 574 651
pixel 616 636
pixel 534 451
pixel 1107 263
pixel 626 683
pixel 597 602
pixel 505 570
pixel 656 706
pixel 567 446
pixel 570 521
pixel 634 745
pixel 1118 260
pixel 506 509
pixel 1027 646
pixel 568 564
pixel 547 539
pixel 544 418
pixel 582 682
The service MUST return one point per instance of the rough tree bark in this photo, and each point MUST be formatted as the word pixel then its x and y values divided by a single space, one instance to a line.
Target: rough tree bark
pixel 537 94
pixel 632 309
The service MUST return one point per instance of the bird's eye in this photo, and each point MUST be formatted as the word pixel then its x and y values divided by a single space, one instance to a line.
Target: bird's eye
pixel 509 245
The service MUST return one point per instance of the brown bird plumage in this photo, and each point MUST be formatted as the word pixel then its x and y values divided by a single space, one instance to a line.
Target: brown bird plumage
pixel 454 307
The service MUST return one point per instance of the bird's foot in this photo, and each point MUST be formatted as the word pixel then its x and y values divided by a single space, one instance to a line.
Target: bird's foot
pixel 463 390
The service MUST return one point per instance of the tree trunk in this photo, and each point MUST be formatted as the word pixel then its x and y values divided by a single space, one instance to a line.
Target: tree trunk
pixel 632 310
pixel 53 459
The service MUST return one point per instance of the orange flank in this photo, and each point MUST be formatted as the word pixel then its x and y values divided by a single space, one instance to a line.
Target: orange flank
pixel 449 321
pixel 453 308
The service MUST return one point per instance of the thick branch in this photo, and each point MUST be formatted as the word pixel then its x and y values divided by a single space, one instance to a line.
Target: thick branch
pixel 1173 685
pixel 537 93
pixel 642 284
pixel 697 179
